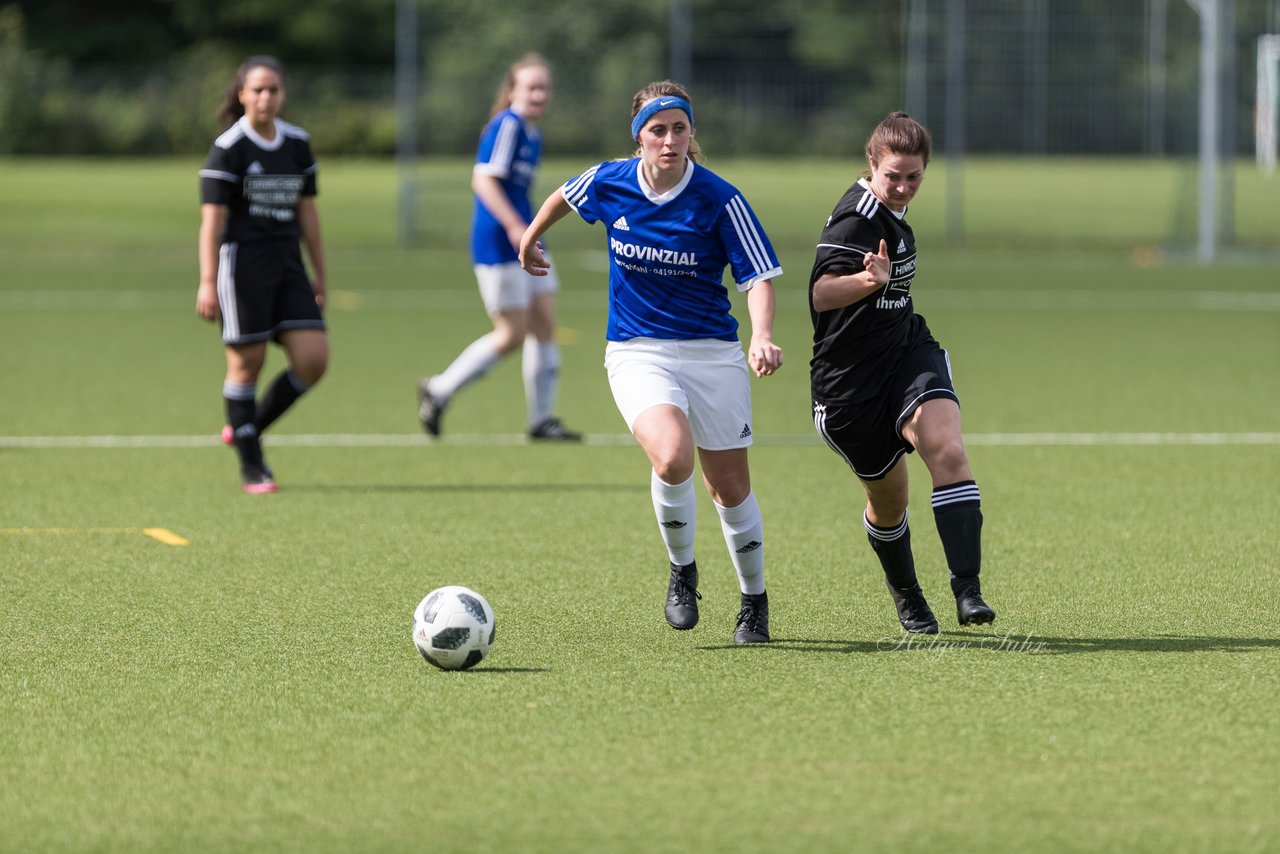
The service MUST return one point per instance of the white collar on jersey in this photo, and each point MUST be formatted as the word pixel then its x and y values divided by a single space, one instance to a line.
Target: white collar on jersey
pixel 258 139
pixel 899 214
pixel 663 198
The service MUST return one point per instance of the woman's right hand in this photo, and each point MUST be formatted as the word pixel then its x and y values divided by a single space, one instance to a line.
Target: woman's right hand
pixel 207 302
pixel 532 259
pixel 877 265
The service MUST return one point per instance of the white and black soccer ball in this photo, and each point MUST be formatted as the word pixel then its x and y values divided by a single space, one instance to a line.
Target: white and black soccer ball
pixel 453 627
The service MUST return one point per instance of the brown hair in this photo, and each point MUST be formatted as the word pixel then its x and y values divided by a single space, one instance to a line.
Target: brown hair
pixel 898 133
pixel 657 90
pixel 231 109
pixel 503 98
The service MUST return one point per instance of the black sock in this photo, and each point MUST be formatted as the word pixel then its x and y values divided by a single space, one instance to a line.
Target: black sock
pixel 957 511
pixel 240 409
pixel 893 547
pixel 284 390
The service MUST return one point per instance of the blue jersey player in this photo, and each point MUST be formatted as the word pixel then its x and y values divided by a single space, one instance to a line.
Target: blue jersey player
pixel 522 307
pixel 675 364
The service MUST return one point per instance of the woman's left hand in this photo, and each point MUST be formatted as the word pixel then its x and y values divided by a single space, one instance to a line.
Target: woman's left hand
pixel 764 356
pixel 320 288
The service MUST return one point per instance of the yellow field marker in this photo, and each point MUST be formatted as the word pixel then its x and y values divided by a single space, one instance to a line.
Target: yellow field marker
pixel 164 535
pixel 344 300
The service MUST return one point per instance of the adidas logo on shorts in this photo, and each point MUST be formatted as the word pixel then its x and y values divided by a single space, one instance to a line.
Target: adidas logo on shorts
pixel 620 224
pixel 746 431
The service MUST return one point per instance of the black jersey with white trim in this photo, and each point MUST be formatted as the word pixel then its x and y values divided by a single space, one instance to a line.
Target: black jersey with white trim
pixel 855 346
pixel 260 181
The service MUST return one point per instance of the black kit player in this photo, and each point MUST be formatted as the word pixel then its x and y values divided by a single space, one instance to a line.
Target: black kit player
pixel 881 384
pixel 257 194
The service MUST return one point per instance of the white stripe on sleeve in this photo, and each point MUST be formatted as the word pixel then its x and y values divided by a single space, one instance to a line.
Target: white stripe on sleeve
pixel 575 191
pixel 504 148
pixel 748 235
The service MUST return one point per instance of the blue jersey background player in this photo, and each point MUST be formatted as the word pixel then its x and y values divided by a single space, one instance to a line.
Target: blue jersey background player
pixel 521 306
pixel 509 150
pixel 675 364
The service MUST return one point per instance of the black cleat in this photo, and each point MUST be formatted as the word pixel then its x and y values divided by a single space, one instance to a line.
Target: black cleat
pixel 970 609
pixel 753 619
pixel 683 596
pixel 255 476
pixel 256 479
pixel 913 611
pixel 429 409
pixel 550 429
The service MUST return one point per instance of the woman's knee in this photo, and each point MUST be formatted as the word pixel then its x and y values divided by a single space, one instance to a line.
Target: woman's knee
pixel 672 466
pixel 309 360
pixel 509 331
pixel 311 372
pixel 885 511
pixel 542 317
pixel 727 476
pixel 729 492
pixel 887 497
pixel 948 459
pixel 244 363
pixel 671 459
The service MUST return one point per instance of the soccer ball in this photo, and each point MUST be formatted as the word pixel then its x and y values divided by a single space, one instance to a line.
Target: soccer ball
pixel 453 627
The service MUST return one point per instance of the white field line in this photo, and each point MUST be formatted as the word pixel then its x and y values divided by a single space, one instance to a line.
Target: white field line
pixel 467 299
pixel 398 440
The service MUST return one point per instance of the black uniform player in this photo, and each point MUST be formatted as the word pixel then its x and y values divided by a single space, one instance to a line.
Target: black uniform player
pixel 257 194
pixel 881 384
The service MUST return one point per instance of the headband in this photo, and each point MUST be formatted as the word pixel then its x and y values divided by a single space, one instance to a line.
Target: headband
pixel 657 105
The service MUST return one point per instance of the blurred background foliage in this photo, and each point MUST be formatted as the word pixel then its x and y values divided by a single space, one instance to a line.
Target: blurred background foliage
pixel 795 77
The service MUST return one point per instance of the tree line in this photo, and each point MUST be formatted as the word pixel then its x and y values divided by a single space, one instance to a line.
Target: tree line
pixel 794 77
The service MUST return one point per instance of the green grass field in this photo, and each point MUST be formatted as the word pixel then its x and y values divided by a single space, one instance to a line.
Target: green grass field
pixel 257 688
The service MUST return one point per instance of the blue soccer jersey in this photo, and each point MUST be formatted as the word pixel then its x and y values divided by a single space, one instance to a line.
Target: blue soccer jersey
pixel 668 251
pixel 509 150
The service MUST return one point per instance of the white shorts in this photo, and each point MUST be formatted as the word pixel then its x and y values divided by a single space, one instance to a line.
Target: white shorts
pixel 708 379
pixel 507 286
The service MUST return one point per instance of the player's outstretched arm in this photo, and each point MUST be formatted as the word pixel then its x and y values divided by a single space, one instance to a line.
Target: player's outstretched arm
pixel 552 211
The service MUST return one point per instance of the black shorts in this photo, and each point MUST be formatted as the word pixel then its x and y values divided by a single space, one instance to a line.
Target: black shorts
pixel 868 436
pixel 263 290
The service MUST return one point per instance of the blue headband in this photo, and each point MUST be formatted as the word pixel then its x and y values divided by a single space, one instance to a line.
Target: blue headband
pixel 657 105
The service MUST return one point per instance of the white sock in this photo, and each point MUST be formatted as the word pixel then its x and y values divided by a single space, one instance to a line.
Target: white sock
pixel 743 530
pixel 676 508
pixel 471 364
pixel 541 370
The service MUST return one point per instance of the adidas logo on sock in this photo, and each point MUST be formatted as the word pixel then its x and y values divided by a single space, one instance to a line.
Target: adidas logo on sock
pixel 746 431
pixel 902 245
pixel 750 547
pixel 620 224
pixel 673 523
